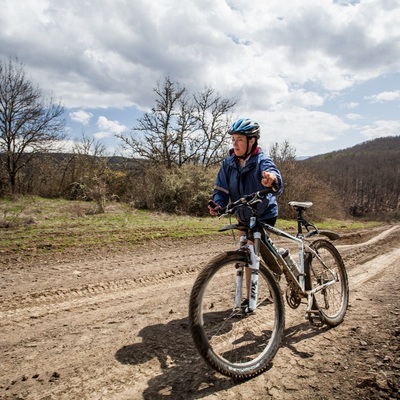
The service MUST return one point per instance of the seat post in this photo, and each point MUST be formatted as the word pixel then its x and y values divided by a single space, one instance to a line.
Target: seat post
pixel 299 207
pixel 299 222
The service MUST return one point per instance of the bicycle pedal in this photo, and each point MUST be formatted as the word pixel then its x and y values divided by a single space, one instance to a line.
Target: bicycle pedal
pixel 317 324
pixel 315 318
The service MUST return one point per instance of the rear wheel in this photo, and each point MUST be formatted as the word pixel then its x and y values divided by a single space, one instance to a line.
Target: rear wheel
pixel 324 266
pixel 235 344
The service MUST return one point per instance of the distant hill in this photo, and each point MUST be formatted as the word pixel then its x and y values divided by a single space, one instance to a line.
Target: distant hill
pixel 386 144
pixel 366 177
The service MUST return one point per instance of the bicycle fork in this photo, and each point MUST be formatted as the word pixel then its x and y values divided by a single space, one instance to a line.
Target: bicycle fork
pixel 254 266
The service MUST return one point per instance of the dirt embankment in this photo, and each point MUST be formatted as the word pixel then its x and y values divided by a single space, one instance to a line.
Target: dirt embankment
pixel 115 327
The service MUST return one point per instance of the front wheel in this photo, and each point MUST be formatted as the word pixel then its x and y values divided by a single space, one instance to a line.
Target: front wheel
pixel 323 266
pixel 233 343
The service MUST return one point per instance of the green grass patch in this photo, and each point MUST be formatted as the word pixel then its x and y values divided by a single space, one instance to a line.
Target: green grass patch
pixel 35 224
pixel 332 225
pixel 57 225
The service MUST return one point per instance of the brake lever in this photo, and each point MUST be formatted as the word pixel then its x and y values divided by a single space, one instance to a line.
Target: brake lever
pixel 228 210
pixel 255 200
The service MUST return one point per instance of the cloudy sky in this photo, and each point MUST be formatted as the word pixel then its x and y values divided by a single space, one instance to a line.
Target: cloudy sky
pixel 322 74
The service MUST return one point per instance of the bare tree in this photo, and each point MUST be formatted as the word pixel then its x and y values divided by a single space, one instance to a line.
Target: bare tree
pixel 157 136
pixel 212 115
pixel 181 129
pixel 283 153
pixel 87 146
pixel 29 124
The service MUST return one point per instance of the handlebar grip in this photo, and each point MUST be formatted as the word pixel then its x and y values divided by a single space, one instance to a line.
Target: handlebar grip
pixel 213 204
pixel 273 189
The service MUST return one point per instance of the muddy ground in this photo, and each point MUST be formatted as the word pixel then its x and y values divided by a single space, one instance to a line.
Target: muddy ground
pixel 105 325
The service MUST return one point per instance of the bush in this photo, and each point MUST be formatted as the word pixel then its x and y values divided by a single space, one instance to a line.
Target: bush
pixel 184 190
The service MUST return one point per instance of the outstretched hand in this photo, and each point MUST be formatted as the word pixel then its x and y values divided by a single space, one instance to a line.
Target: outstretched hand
pixel 268 178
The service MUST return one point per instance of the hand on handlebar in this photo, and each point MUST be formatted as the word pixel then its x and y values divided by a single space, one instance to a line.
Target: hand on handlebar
pixel 268 179
pixel 248 200
pixel 213 208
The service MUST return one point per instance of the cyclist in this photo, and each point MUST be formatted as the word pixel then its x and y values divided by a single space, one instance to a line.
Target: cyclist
pixel 247 169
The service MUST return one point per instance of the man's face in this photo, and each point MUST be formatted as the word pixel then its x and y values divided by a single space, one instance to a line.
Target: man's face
pixel 239 143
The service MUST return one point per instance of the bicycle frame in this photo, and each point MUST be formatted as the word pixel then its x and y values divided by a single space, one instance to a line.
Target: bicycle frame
pixel 300 246
pixel 259 235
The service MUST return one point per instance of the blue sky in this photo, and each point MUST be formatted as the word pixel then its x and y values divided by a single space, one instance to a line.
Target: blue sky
pixel 324 75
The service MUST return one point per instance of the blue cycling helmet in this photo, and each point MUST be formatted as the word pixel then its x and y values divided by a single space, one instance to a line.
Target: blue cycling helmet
pixel 245 126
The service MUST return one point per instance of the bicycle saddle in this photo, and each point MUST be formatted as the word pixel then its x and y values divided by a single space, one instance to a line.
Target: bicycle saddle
pixel 300 204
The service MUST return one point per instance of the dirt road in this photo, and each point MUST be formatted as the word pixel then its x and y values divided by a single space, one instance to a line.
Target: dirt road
pixel 114 326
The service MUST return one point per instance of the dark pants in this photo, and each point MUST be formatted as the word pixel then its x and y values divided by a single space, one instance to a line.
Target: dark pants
pixel 270 221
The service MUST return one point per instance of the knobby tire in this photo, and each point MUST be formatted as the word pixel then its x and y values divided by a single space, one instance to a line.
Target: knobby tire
pixel 333 301
pixel 235 344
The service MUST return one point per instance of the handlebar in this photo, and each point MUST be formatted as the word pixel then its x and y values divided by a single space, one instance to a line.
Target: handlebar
pixel 248 200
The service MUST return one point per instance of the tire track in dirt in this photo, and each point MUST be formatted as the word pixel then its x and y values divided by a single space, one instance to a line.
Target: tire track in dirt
pixel 374 269
pixel 77 296
pixel 381 236
pixel 147 268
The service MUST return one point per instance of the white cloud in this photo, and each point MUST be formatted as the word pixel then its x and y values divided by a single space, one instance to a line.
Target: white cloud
pixel 351 105
pixel 384 97
pixel 346 2
pixel 116 52
pixel 102 135
pixel 66 146
pixel 306 130
pixel 354 117
pixel 303 98
pixel 109 127
pixel 381 129
pixel 81 116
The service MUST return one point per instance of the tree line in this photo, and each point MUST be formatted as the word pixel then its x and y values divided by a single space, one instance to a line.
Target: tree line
pixel 175 151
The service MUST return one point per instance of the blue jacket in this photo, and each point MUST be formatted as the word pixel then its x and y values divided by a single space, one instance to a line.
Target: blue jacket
pixel 234 182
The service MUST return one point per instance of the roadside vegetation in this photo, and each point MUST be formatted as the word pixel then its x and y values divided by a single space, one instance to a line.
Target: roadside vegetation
pixel 35 225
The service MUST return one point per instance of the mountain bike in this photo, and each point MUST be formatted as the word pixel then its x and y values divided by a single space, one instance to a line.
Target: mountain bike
pixel 240 339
